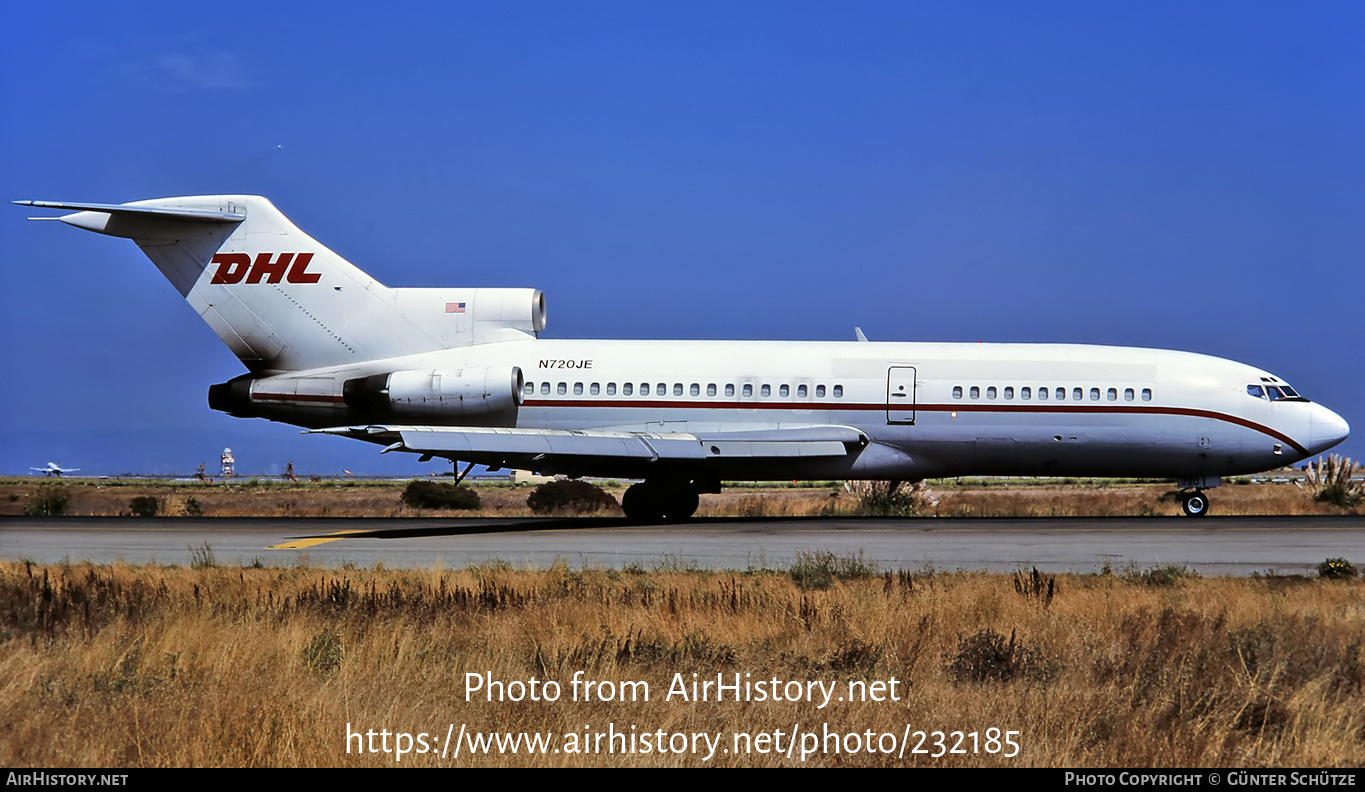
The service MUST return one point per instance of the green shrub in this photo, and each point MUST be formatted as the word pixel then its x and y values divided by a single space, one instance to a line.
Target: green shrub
pixel 324 653
pixel 568 495
pixel 144 506
pixel 1036 586
pixel 987 656
pixel 436 495
pixel 47 502
pixel 1332 481
pixel 1162 575
pixel 202 557
pixel 892 498
pixel 193 507
pixel 1336 569
pixel 819 569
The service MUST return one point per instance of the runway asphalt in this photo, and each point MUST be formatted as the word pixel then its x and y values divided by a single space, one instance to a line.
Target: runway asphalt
pixel 1212 545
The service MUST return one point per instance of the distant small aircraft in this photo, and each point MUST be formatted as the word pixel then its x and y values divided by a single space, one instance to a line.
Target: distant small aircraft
pixel 53 469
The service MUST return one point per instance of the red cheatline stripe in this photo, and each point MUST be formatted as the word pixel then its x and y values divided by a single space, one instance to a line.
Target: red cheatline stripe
pixel 304 397
pixel 997 408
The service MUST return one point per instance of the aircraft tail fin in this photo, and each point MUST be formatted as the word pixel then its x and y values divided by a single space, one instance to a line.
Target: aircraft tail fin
pixel 282 301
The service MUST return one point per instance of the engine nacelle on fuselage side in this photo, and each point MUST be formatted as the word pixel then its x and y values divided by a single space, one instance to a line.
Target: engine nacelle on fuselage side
pixel 436 396
pixel 470 396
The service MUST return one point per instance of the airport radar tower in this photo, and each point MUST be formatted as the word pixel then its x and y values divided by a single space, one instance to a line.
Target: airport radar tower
pixel 228 463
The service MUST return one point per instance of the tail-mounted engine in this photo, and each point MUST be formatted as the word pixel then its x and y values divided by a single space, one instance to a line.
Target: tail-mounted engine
pixel 460 317
pixel 472 396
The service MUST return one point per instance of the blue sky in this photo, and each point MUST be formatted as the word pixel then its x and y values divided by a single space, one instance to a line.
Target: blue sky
pixel 1179 175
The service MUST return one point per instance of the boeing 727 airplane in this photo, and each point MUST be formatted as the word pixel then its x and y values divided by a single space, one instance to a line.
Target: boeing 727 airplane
pixel 463 374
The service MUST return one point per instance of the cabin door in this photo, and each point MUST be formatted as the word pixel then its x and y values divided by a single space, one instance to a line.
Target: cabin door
pixel 900 395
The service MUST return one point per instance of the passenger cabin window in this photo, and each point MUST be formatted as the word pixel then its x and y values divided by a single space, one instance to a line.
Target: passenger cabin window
pixel 1025 394
pixel 530 389
pixel 957 391
pixel 748 390
pixel 627 388
pixel 784 391
pixel 695 389
pixel 1112 394
pixel 1042 394
pixel 1094 394
pixel 1009 393
pixel 644 388
pixel 677 389
pixel 976 392
pixel 838 391
pixel 1127 394
pixel 1077 394
pixel 578 389
pixel 729 389
pixel 765 391
pixel 819 391
pixel 544 389
pixel 595 389
pixel 990 392
pixel 1061 394
pixel 1146 394
pixel 562 388
pixel 800 391
pixel 662 389
pixel 611 388
pixel 711 389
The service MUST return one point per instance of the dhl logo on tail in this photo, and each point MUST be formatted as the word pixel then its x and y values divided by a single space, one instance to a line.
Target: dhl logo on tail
pixel 291 267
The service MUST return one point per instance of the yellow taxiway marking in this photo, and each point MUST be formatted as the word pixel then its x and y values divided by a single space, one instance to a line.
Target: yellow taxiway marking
pixel 299 544
pixel 312 541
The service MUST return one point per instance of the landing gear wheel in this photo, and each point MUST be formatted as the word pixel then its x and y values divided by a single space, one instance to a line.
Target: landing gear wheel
pixel 680 503
pixel 642 504
pixel 653 501
pixel 1195 504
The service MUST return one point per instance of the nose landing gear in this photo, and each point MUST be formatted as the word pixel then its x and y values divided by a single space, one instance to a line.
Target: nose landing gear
pixel 1194 503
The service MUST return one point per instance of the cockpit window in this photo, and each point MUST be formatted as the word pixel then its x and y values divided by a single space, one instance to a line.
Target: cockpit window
pixel 1276 392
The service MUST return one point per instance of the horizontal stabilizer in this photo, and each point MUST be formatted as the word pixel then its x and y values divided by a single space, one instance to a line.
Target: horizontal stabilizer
pixel 131 210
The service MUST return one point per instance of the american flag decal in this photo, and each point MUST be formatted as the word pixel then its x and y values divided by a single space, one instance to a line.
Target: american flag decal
pixel 455 307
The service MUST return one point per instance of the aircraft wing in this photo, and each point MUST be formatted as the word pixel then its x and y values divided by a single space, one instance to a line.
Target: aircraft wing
pixel 602 452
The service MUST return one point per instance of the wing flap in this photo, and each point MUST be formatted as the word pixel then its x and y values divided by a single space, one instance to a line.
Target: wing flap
pixel 522 442
pixel 557 449
pixel 768 449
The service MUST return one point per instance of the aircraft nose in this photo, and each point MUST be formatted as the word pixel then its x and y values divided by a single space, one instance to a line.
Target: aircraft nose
pixel 1325 429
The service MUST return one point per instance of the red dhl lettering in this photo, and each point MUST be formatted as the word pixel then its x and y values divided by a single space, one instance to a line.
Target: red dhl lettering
pixel 236 267
pixel 264 266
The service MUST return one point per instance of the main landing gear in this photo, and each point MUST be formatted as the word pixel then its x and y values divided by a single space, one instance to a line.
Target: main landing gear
pixel 1194 503
pixel 655 501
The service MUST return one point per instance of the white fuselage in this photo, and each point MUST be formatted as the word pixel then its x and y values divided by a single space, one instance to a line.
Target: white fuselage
pixel 929 409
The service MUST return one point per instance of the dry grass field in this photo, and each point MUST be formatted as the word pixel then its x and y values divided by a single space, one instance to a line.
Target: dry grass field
pixel 153 666
pixel 970 498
